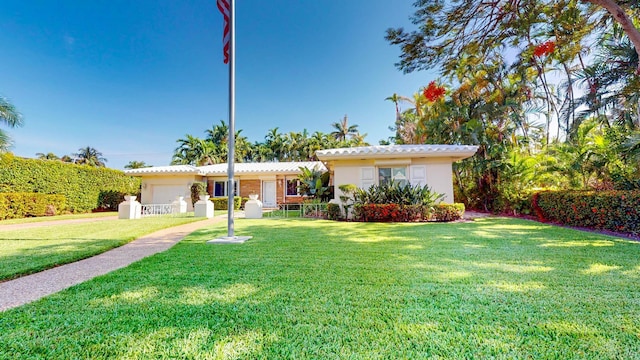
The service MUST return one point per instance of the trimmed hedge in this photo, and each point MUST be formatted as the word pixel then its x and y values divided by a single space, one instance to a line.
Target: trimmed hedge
pixel 333 211
pixel 222 203
pixel 20 205
pixel 81 185
pixel 609 210
pixel 407 213
pixel 447 212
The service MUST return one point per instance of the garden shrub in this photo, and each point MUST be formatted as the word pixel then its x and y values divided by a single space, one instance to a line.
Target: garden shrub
pixel 396 193
pixel 615 210
pixel 387 212
pixel 446 212
pixel 402 203
pixel 197 188
pixel 109 200
pixel 408 213
pixel 19 205
pixel 333 211
pixel 80 185
pixel 222 203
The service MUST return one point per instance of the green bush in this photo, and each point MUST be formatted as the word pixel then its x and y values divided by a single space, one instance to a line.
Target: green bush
pixel 407 213
pixel 197 188
pixel 333 211
pixel 221 203
pixel 387 212
pixel 615 210
pixel 19 205
pixel 446 212
pixel 81 185
pixel 402 203
pixel 396 193
pixel 110 199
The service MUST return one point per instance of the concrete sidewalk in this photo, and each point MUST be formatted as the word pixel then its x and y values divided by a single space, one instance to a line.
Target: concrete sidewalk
pixel 29 288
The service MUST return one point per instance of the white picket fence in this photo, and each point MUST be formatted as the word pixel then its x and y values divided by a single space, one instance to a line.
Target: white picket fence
pixel 158 209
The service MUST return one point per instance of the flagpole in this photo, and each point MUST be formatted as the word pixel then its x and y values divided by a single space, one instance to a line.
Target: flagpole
pixel 232 115
pixel 229 7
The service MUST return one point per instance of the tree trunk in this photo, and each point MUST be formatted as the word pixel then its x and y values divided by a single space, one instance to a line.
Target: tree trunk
pixel 621 17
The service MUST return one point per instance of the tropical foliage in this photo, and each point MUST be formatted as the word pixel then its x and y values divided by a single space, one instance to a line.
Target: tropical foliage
pixel 277 146
pixel 89 156
pixel 314 184
pixel 547 89
pixel 134 164
pixel 395 202
pixel 394 192
pixel 9 116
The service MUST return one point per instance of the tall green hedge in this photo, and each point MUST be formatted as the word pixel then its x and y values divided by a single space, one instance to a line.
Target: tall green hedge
pixel 20 205
pixel 80 184
pixel 610 210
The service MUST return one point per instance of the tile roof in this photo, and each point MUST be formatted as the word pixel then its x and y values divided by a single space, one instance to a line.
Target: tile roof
pixel 399 151
pixel 172 169
pixel 265 167
pixel 221 169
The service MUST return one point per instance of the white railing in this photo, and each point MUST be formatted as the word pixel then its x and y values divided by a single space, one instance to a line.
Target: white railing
pixel 298 210
pixel 157 209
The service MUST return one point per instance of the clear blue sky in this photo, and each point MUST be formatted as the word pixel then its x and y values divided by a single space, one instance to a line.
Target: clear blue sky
pixel 131 77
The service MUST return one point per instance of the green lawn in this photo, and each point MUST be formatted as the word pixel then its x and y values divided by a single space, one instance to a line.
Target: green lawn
pixel 494 288
pixel 57 217
pixel 25 251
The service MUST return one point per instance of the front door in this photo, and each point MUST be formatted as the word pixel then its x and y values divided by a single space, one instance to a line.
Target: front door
pixel 269 194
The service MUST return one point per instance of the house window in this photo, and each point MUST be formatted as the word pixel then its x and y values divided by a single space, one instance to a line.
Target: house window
pixel 292 187
pixel 220 188
pixel 387 174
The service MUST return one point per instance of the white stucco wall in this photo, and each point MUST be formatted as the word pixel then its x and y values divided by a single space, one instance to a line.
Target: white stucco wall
pixel 440 177
pixel 438 173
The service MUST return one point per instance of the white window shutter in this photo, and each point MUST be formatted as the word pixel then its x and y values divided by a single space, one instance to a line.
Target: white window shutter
pixel 418 175
pixel 367 177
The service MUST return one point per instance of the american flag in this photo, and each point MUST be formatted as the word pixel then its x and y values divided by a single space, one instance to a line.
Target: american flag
pixel 223 6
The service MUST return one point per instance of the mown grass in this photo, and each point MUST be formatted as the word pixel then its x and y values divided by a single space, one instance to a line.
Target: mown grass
pixel 57 217
pixel 26 251
pixel 494 288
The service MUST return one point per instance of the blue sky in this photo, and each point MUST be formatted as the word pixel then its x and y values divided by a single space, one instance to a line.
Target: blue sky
pixel 129 78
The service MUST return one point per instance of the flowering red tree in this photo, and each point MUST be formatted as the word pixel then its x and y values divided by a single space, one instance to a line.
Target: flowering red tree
pixel 434 92
pixel 545 48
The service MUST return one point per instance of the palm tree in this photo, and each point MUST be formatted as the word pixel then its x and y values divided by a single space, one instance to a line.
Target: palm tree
pixel 89 156
pixel 274 140
pixel 133 164
pixel 11 117
pixel 343 130
pixel 219 134
pixel 47 156
pixel 187 151
pixel 614 85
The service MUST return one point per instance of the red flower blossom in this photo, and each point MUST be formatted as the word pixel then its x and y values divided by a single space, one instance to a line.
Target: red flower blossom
pixel 434 92
pixel 545 48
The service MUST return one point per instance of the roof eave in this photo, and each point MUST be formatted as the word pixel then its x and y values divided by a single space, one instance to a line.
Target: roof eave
pixel 455 155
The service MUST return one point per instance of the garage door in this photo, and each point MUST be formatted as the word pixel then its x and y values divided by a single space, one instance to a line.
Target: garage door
pixel 166 194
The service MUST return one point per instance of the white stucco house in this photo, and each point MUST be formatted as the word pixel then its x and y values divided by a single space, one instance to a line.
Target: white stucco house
pixel 416 164
pixel 276 182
